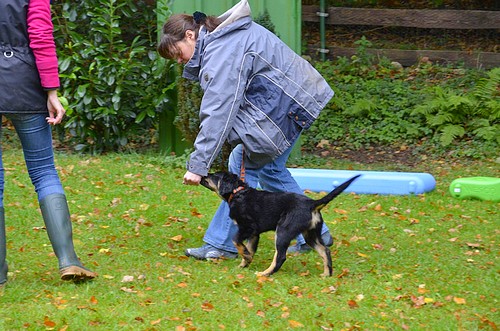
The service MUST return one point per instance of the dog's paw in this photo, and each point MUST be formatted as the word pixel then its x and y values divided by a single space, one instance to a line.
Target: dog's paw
pixel 263 274
pixel 243 264
pixel 326 274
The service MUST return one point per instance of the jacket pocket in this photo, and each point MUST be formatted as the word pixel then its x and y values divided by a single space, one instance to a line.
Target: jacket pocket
pixel 275 109
pixel 20 87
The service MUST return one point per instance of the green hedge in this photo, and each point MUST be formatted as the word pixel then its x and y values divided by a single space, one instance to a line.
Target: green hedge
pixel 110 72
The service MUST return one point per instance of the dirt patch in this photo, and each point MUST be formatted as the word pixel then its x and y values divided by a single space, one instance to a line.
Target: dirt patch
pixel 404 38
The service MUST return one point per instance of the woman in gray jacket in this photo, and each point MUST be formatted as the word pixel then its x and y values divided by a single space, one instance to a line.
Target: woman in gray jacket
pixel 258 95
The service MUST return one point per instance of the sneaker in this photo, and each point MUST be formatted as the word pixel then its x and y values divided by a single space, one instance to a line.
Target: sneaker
pixel 304 248
pixel 208 251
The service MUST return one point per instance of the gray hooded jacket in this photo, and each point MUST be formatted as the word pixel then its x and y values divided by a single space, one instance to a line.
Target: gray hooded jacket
pixel 257 91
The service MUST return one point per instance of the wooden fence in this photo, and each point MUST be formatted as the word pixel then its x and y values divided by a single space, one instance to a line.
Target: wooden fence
pixel 412 18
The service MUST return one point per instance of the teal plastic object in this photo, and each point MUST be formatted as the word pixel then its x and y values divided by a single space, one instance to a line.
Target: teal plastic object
pixel 482 188
pixel 370 182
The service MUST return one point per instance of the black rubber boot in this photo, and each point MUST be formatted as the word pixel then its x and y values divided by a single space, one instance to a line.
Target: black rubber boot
pixel 3 249
pixel 57 220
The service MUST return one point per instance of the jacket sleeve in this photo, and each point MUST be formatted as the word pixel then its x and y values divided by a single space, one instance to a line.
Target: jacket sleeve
pixel 40 32
pixel 223 78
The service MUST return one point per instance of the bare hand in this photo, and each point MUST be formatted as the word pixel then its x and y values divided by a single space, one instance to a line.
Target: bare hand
pixel 56 109
pixel 191 179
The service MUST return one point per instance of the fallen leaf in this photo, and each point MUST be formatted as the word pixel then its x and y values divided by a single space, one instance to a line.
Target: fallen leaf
pixel 329 289
pixel 344 272
pixel 127 279
pixel 128 290
pixel 115 202
pixel 207 306
pixel 323 143
pixel 48 323
pixel 295 324
pixel 177 238
pixel 195 213
pixel 362 209
pixel 459 301
pixel 418 301
pixel 352 304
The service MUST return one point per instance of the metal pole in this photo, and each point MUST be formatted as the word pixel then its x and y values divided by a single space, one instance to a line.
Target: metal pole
pixel 322 15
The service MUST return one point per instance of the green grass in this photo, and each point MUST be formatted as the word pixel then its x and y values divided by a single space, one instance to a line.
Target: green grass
pixel 426 262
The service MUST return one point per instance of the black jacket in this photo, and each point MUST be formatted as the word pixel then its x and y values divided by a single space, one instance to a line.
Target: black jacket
pixel 20 87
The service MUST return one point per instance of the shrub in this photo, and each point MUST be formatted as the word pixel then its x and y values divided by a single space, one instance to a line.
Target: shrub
pixel 110 71
pixel 475 114
pixel 382 105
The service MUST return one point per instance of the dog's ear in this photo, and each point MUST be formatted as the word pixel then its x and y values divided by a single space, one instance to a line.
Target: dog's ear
pixel 228 183
pixel 235 180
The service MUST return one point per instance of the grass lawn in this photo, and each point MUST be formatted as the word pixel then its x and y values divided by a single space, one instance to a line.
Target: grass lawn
pixel 427 262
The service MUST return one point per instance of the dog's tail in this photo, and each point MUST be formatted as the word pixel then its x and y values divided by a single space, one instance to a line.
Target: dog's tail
pixel 330 196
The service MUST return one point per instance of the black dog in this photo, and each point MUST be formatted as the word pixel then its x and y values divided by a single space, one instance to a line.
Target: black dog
pixel 289 214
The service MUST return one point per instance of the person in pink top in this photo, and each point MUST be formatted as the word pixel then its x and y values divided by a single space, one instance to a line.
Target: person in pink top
pixel 29 79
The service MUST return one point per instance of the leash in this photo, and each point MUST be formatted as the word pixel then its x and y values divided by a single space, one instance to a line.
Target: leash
pixel 242 175
pixel 242 167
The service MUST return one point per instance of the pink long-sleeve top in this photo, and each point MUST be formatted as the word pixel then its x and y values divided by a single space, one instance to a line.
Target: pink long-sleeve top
pixel 40 32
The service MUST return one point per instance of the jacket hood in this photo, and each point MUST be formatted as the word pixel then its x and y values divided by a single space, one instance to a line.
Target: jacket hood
pixel 239 16
pixel 240 10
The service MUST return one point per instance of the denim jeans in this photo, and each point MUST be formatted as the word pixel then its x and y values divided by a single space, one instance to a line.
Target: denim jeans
pixel 273 177
pixel 36 140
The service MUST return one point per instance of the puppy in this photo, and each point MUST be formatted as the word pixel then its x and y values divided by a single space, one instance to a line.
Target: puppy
pixel 289 214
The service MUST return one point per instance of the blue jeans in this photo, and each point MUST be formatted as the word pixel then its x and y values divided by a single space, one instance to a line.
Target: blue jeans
pixel 273 177
pixel 36 139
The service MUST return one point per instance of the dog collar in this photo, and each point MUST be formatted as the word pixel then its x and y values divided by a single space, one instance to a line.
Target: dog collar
pixel 236 190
